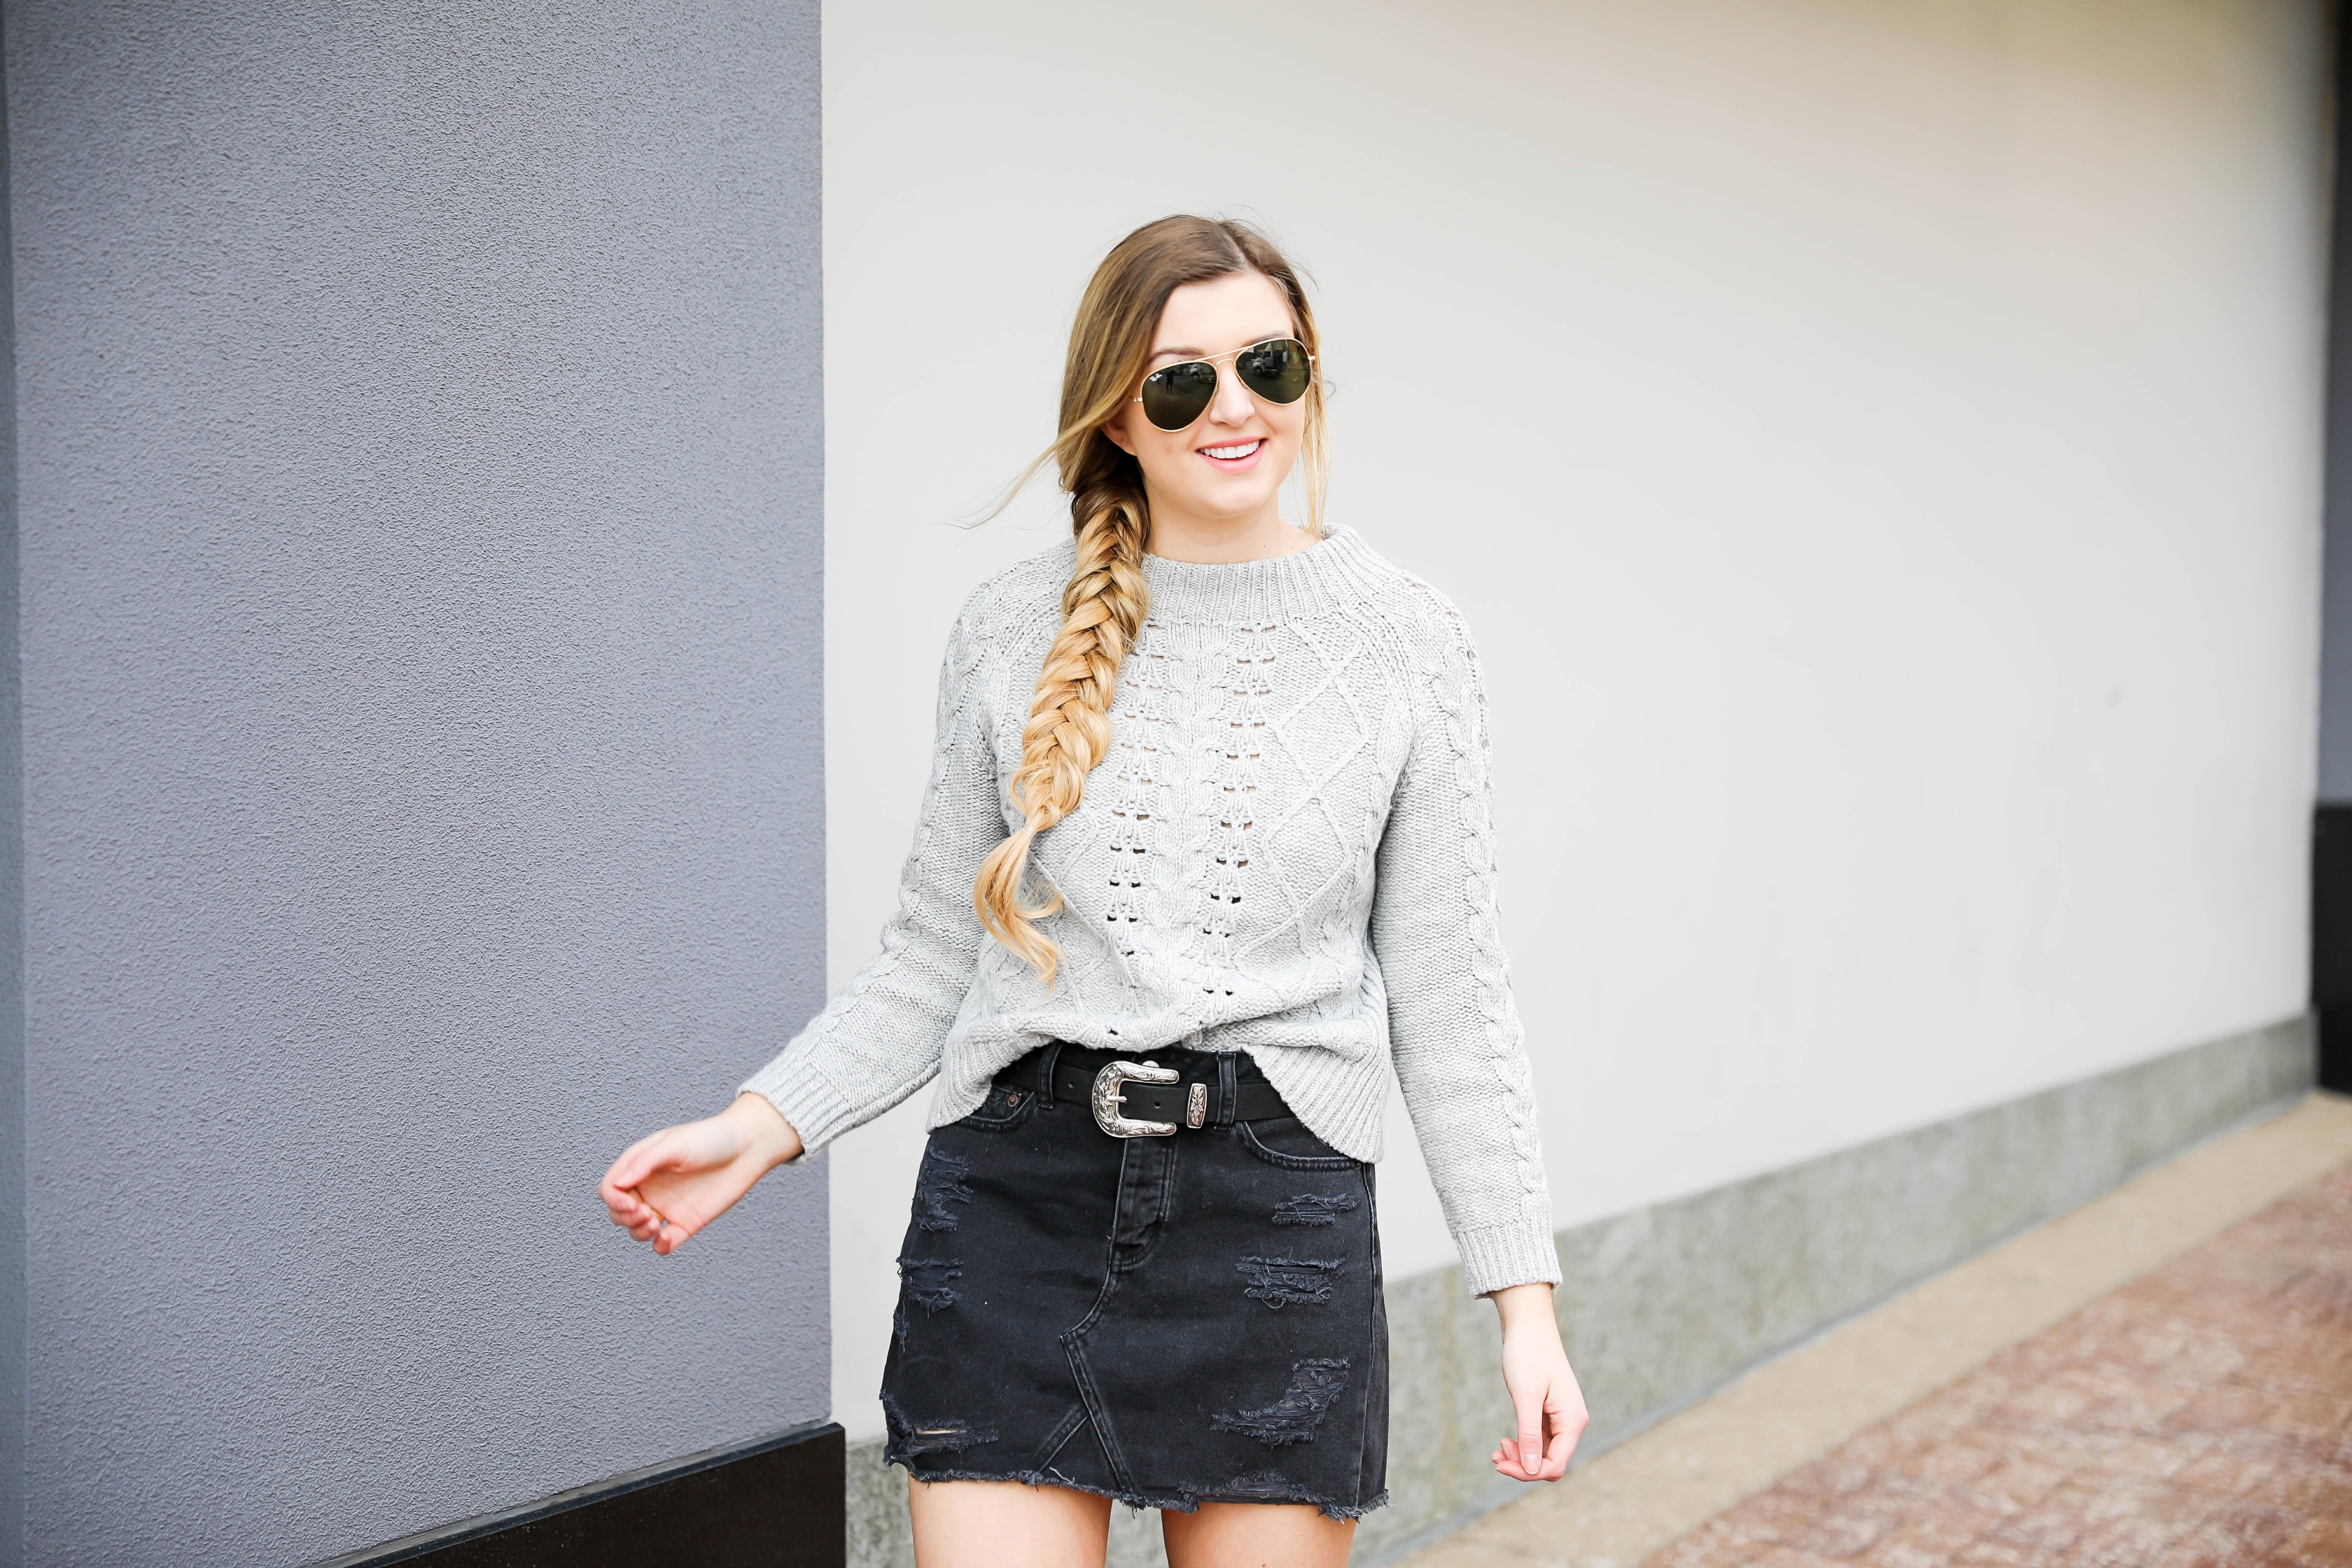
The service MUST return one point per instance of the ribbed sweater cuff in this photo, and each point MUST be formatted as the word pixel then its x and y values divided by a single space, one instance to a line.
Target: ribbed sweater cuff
pixel 1519 1253
pixel 803 1097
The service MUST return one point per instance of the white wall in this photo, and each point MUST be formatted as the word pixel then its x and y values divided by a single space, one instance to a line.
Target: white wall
pixel 1875 445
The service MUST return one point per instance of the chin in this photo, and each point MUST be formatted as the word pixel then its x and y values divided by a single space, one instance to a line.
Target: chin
pixel 1216 501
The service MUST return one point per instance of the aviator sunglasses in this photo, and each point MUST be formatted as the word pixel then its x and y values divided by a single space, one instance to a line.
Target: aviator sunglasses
pixel 1278 370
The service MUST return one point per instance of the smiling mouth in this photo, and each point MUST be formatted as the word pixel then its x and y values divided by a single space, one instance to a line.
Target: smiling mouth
pixel 1236 453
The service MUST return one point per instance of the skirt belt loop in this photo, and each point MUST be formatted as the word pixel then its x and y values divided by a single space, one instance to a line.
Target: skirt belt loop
pixel 1046 1059
pixel 1228 1090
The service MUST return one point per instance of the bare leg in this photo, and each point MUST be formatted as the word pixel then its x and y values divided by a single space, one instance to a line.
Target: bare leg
pixel 1007 1524
pixel 1256 1535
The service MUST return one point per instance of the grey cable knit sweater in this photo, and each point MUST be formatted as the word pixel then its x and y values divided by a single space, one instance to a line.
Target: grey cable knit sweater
pixel 1289 850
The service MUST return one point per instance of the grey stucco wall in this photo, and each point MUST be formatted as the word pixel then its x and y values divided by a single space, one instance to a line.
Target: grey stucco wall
pixel 2336 608
pixel 420 482
pixel 12 908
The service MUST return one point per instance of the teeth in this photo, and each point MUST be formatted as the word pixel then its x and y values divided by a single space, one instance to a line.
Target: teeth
pixel 1243 450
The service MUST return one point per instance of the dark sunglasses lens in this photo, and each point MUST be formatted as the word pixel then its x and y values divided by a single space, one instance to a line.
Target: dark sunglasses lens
pixel 1277 372
pixel 1177 395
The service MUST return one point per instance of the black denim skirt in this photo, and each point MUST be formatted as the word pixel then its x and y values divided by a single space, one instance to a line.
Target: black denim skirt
pixel 1162 1319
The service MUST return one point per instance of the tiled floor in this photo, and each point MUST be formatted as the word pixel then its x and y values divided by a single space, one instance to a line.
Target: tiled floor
pixel 2200 1416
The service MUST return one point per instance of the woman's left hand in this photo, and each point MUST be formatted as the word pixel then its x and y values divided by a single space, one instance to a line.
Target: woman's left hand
pixel 1549 1405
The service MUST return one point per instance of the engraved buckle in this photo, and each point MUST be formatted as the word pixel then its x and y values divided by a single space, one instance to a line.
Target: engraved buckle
pixel 1110 1084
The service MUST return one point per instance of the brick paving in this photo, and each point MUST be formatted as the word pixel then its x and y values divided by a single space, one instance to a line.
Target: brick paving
pixel 2199 1417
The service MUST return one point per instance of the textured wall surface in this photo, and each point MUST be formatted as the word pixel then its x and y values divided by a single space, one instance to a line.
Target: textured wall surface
pixel 421 451
pixel 2336 641
pixel 12 908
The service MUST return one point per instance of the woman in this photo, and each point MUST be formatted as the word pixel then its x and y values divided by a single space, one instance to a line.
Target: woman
pixel 1206 848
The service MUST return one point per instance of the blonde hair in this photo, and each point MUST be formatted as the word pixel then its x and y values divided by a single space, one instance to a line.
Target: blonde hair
pixel 1104 604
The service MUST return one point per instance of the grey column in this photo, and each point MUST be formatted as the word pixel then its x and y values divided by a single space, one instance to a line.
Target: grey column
pixel 2335 613
pixel 418 450
pixel 12 904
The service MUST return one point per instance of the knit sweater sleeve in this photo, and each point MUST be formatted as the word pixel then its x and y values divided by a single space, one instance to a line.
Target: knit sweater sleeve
pixel 1454 1032
pixel 880 1039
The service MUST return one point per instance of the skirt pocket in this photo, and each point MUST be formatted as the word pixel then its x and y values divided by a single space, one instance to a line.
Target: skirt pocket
pixel 1003 1111
pixel 1284 1141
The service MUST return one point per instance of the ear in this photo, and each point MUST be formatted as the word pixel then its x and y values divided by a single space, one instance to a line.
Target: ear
pixel 1116 431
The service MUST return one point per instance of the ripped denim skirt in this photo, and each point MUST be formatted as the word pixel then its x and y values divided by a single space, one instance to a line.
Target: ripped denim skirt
pixel 1165 1318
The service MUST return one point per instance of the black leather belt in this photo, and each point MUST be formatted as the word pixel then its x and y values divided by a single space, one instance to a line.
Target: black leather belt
pixel 1143 1099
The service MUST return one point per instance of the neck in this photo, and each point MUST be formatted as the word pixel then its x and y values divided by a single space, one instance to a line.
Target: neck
pixel 1261 535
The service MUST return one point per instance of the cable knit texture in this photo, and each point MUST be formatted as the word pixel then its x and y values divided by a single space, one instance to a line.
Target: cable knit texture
pixel 1288 850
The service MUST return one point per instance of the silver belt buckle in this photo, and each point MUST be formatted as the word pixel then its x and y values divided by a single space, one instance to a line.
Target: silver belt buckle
pixel 1110 1084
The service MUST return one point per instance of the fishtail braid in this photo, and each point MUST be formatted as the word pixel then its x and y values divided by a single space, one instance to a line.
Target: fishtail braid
pixel 1068 732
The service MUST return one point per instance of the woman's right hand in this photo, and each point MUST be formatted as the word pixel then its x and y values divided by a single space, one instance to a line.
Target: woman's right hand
pixel 665 1188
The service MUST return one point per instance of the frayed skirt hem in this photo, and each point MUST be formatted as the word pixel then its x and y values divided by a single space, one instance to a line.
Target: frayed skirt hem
pixel 1174 1502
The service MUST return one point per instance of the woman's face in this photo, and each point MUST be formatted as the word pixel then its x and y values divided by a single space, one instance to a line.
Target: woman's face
pixel 1227 465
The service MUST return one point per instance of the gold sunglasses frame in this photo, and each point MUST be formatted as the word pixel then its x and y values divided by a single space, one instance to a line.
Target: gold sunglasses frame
pixel 1212 361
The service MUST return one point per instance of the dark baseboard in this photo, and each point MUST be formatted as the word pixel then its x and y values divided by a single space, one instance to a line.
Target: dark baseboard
pixel 2331 941
pixel 2336 1049
pixel 773 1503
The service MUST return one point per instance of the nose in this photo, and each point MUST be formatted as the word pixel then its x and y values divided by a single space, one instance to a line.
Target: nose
pixel 1232 404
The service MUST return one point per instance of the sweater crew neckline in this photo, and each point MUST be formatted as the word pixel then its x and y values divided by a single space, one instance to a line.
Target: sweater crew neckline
pixel 1337 571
